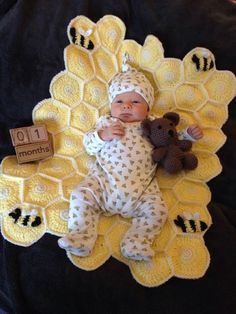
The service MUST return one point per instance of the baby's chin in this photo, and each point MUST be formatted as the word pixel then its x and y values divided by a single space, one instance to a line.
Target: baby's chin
pixel 127 118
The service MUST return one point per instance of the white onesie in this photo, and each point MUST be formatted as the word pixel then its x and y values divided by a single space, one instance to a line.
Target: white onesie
pixel 121 182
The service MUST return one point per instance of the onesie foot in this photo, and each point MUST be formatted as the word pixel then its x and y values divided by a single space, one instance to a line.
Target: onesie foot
pixel 76 244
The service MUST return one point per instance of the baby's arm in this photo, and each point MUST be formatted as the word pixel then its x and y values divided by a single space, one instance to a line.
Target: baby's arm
pixel 103 132
pixel 93 143
pixel 115 131
pixel 192 133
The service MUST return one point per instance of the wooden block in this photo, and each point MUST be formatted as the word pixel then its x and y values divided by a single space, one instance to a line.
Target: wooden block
pixel 27 135
pixel 32 143
pixel 32 152
pixel 38 133
pixel 19 136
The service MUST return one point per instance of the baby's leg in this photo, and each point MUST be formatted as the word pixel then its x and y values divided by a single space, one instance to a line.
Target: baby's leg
pixel 83 220
pixel 149 217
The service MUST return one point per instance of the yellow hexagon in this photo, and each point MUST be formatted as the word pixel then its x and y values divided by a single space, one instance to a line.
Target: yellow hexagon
pixel 69 184
pixel 169 197
pixel 56 167
pixel 68 143
pixel 153 273
pixel 52 113
pixel 167 180
pixel 133 49
pixel 103 111
pixel 106 223
pixel 95 93
pixel 82 32
pixel 164 102
pixel 189 256
pixel 199 64
pixel 181 208
pixel 162 241
pixel 209 166
pixel 151 53
pixel 85 162
pixel 67 88
pixel 78 62
pixel 212 140
pixel 83 117
pixel 185 119
pixel 190 97
pixel 212 115
pixel 169 73
pixel 57 217
pixel 111 31
pixel 192 192
pixel 40 191
pixel 23 232
pixel 113 238
pixel 99 256
pixel 105 64
pixel 221 86
pixel 10 189
pixel 11 167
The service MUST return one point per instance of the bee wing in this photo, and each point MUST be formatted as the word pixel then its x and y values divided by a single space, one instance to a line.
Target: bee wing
pixel 187 215
pixel 196 216
pixel 85 33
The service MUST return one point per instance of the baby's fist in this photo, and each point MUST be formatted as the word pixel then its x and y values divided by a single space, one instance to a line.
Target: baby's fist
pixel 195 131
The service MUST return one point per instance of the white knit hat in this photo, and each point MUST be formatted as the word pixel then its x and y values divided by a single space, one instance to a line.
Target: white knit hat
pixel 131 80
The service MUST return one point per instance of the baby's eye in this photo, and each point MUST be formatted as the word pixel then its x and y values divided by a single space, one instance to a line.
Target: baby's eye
pixel 135 102
pixel 119 102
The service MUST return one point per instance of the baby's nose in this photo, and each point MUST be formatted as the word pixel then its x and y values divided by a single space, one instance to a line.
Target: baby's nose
pixel 127 105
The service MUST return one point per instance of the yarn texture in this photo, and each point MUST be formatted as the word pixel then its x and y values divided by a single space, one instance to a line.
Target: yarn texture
pixel 34 197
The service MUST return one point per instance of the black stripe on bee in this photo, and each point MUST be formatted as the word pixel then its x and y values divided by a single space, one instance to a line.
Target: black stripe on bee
pixel 73 34
pixel 196 60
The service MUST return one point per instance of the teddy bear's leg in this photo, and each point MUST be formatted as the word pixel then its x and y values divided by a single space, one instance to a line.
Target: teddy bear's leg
pixel 190 161
pixel 173 165
pixel 82 223
pixel 149 216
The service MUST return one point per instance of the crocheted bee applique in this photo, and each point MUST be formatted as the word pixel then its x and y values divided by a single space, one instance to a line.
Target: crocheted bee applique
pixel 203 62
pixel 190 223
pixel 30 219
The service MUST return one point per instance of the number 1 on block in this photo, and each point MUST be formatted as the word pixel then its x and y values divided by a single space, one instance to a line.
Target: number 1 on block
pixel 38 133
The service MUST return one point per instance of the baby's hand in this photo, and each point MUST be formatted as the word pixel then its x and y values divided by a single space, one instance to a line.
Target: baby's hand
pixel 195 131
pixel 115 131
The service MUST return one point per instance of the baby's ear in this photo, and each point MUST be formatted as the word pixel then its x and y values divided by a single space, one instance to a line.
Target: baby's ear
pixel 173 116
pixel 146 126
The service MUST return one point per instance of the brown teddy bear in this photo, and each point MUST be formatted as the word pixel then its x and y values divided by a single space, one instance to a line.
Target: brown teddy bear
pixel 170 152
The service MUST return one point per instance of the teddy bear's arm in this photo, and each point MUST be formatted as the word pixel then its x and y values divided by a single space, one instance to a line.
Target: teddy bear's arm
pixel 185 145
pixel 159 153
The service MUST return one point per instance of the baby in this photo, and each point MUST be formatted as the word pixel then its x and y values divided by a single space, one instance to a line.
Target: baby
pixel 122 179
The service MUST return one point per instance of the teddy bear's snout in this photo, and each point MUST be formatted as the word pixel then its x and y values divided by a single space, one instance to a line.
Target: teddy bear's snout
pixel 171 133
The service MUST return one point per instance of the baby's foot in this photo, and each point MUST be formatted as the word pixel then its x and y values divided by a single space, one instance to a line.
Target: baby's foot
pixel 77 244
pixel 137 249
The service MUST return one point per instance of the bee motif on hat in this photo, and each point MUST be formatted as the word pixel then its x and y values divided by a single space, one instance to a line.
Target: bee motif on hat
pixel 81 38
pixel 26 219
pixel 190 223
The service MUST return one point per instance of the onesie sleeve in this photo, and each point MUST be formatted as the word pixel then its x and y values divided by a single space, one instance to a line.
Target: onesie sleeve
pixel 92 142
pixel 183 135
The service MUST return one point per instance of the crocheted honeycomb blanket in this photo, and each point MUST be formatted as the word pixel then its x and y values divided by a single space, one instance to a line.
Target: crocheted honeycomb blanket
pixel 34 197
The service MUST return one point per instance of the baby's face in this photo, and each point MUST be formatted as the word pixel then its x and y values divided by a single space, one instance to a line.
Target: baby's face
pixel 129 107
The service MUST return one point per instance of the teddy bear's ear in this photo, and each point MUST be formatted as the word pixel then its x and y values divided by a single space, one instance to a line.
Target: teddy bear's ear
pixel 146 126
pixel 173 116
